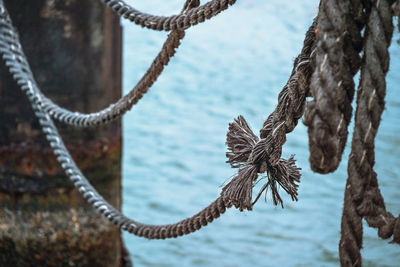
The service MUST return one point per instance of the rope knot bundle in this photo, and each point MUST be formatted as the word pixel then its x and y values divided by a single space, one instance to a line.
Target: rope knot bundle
pixel 249 153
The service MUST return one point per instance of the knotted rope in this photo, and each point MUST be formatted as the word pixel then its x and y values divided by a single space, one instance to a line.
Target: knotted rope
pixel 252 155
pixel 336 60
pixel 362 195
pixel 174 22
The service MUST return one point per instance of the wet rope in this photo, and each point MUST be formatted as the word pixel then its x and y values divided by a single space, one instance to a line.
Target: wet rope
pixel 362 195
pixel 174 22
pixel 115 110
pixel 279 174
pixel 336 60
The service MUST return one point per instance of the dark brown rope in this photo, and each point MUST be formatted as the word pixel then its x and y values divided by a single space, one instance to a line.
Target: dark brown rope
pixel 253 155
pixel 336 60
pixel 184 227
pixel 291 102
pixel 362 195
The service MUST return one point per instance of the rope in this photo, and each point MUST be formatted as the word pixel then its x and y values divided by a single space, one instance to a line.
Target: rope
pixel 252 155
pixel 291 101
pixel 186 226
pixel 174 22
pixel 115 110
pixel 362 195
pixel 336 60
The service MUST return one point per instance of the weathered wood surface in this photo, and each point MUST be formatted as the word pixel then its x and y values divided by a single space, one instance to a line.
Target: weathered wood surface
pixel 74 49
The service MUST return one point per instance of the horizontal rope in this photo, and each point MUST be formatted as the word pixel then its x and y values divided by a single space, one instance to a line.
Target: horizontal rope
pixel 174 22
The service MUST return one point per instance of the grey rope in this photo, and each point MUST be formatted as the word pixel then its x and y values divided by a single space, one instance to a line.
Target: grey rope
pixel 115 110
pixel 174 22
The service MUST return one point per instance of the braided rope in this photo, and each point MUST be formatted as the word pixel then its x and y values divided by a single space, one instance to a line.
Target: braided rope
pixel 362 194
pixel 174 22
pixel 336 60
pixel 115 110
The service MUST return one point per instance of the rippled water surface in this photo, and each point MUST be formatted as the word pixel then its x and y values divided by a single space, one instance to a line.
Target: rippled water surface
pixel 174 143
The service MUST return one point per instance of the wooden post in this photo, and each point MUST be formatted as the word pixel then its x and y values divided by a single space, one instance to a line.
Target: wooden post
pixel 74 50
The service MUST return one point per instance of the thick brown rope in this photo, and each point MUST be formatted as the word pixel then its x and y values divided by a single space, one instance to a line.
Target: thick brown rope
pixel 362 194
pixel 184 227
pixel 336 60
pixel 253 156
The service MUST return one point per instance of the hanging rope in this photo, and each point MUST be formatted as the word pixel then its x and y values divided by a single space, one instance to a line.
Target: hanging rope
pixel 362 195
pixel 174 22
pixel 337 60
pixel 124 104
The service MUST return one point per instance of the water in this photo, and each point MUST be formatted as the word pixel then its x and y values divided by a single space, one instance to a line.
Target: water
pixel 174 143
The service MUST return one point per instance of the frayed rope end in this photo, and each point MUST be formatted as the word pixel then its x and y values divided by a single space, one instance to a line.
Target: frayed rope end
pixel 241 142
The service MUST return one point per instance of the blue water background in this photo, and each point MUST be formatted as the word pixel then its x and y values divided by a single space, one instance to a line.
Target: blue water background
pixel 174 143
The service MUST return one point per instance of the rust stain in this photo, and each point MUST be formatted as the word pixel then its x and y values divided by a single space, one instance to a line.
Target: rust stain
pixel 28 158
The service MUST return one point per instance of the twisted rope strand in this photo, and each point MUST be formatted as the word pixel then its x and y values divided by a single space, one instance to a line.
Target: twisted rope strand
pixel 113 111
pixel 174 22
pixel 291 102
pixel 336 61
pixel 362 195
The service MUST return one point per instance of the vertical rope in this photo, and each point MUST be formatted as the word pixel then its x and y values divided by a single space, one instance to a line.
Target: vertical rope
pixel 336 60
pixel 362 196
